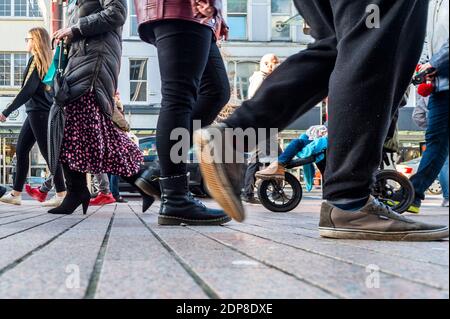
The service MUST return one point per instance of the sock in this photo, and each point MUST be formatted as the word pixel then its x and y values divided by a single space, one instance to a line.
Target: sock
pixel 351 205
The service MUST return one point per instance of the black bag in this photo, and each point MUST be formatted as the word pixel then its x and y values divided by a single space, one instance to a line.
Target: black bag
pixel 57 118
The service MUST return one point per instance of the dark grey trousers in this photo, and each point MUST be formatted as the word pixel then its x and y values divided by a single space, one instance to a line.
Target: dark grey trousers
pixel 364 71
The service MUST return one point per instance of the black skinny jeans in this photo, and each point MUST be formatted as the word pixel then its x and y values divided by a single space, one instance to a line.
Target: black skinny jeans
pixel 34 130
pixel 364 71
pixel 194 83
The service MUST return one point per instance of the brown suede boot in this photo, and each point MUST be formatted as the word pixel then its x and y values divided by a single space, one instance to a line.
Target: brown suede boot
pixel 274 171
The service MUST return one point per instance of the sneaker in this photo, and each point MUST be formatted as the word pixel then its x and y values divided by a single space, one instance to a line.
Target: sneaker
pixel 224 180
pixel 274 171
pixel 120 199
pixel 102 199
pixel 250 200
pixel 413 209
pixel 376 221
pixel 55 201
pixel 444 203
pixel 35 192
pixel 11 199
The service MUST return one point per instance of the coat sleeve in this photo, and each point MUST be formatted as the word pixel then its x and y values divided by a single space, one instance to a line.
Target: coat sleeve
pixel 440 60
pixel 112 16
pixel 25 94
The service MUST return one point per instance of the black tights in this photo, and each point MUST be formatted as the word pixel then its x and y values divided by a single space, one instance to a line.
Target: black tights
pixel 34 130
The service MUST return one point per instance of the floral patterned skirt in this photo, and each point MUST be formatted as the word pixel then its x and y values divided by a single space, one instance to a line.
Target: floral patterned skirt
pixel 93 144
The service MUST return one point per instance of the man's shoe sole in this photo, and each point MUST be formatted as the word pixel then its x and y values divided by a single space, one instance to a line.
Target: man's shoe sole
pixel 147 188
pixel 251 202
pixel 426 235
pixel 38 199
pixel 177 221
pixel 216 180
pixel 15 204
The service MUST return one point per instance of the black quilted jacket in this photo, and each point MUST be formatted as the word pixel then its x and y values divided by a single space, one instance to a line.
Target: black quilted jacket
pixel 95 51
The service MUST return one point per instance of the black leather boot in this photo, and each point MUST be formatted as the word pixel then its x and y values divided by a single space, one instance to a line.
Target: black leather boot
pixel 178 207
pixel 147 199
pixel 148 182
pixel 77 194
pixel 2 191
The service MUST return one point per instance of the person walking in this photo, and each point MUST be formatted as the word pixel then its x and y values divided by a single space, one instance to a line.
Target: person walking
pixel 41 193
pixel 349 62
pixel 259 158
pixel 121 122
pixel 104 196
pixel 194 87
pixel 37 98
pixel 316 135
pixel 420 117
pixel 92 143
pixel 14 167
pixel 115 190
pixel 436 137
pixel 443 179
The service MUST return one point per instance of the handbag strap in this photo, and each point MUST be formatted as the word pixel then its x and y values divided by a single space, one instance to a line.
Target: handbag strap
pixel 61 53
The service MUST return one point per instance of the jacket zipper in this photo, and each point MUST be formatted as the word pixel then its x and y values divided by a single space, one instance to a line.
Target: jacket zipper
pixel 96 72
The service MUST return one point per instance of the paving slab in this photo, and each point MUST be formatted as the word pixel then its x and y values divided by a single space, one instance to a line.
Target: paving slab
pixel 343 279
pixel 64 267
pixel 136 265
pixel 229 273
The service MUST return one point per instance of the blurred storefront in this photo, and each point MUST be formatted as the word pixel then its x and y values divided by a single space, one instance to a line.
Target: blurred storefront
pixel 9 133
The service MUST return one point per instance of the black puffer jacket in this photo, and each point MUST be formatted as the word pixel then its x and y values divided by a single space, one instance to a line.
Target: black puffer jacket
pixel 95 51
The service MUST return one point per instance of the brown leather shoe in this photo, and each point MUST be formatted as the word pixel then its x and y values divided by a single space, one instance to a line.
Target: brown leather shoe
pixel 274 171
pixel 376 221
pixel 224 180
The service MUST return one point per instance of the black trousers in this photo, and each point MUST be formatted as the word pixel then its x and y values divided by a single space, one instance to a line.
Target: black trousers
pixel 194 84
pixel 34 130
pixel 364 71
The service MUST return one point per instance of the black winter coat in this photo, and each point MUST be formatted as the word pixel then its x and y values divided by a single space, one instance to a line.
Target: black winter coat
pixel 95 50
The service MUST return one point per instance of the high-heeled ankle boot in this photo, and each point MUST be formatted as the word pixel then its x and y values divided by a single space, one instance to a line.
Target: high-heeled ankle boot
pixel 77 194
pixel 147 199
pixel 178 207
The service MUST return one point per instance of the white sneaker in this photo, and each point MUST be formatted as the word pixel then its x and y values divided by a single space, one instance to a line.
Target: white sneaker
pixel 55 201
pixel 9 198
pixel 445 203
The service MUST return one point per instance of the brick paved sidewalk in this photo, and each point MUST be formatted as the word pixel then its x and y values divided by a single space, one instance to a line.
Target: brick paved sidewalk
pixel 117 252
